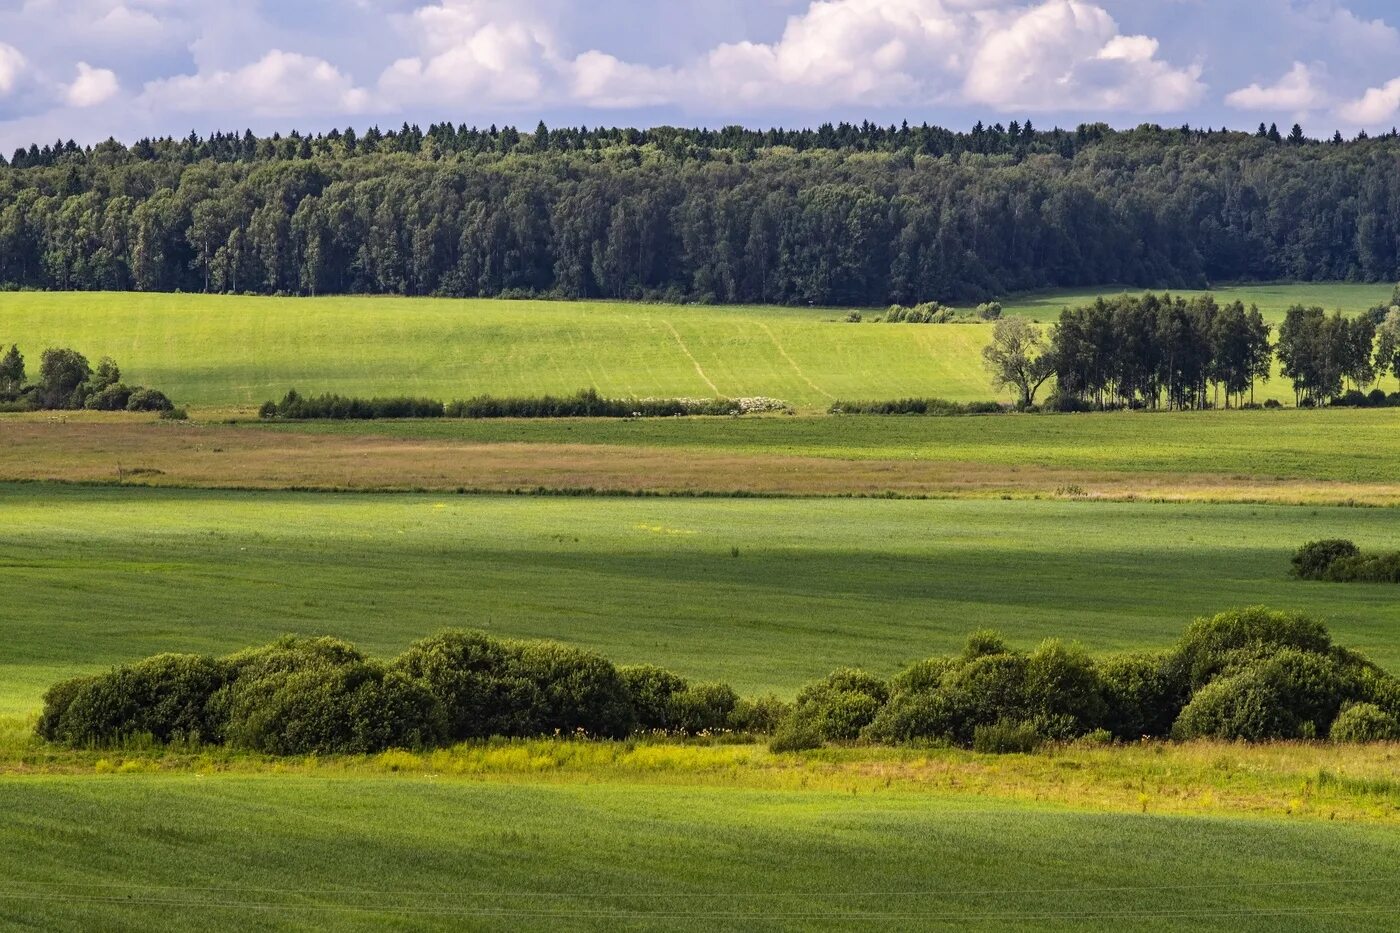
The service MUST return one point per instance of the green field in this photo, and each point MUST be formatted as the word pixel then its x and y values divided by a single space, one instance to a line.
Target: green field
pixel 93 577
pixel 1273 299
pixel 1350 445
pixel 224 352
pixel 208 852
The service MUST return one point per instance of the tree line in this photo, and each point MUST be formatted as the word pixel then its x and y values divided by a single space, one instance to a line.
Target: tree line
pixel 860 216
pixel 67 381
pixel 1164 351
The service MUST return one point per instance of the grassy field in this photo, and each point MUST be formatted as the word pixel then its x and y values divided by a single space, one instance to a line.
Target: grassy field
pixel 1273 299
pixel 509 837
pixel 228 352
pixel 1311 457
pixel 767 594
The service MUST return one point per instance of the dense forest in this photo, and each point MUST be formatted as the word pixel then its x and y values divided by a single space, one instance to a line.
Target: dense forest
pixel 856 215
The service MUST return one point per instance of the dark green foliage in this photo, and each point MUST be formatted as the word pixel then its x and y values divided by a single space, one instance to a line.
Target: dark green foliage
pixel 726 215
pixel 585 404
pixel 796 734
pixel 1064 696
pixel 650 689
pixel 1210 646
pixel 340 709
pixel 1312 560
pixel 148 400
pixel 760 715
pixel 110 398
pixel 1005 737
pixel 702 708
pixel 1142 693
pixel 916 406
pixel 11 374
pixel 166 698
pixel 492 687
pixel 1365 722
pixel 840 706
pixel 63 374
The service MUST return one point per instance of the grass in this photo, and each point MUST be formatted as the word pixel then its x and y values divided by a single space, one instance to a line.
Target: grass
pixel 226 352
pixel 91 577
pixel 1273 299
pixel 1295 456
pixel 699 838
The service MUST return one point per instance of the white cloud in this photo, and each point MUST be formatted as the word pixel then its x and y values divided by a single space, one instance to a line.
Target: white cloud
pixel 1378 105
pixel 1295 92
pixel 91 87
pixel 280 84
pixel 1068 55
pixel 11 65
pixel 602 80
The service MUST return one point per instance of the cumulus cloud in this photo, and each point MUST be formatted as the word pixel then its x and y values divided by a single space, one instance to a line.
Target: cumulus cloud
pixel 1296 92
pixel 1378 105
pixel 280 84
pixel 11 65
pixel 1064 54
pixel 91 87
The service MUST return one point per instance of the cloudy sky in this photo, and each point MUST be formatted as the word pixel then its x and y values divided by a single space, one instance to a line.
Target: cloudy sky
pixel 87 69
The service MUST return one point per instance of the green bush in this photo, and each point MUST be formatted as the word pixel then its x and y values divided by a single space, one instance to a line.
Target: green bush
pixel 650 689
pixel 148 400
pixel 1365 568
pixel 1063 693
pixel 1212 645
pixel 356 708
pixel 760 715
pixel 166 697
pixel 579 690
pixel 796 735
pixel 1312 560
pixel 702 708
pixel 1365 722
pixel 109 398
pixel 841 705
pixel 1142 695
pixel 1005 737
pixel 1294 694
pixel 477 679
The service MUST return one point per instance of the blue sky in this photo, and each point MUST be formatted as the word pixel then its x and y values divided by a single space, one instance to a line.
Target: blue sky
pixel 87 69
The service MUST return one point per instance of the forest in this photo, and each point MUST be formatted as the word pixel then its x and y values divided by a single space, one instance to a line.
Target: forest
pixel 845 216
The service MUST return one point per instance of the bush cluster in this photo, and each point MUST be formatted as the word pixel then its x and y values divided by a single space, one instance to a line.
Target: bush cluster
pixel 916 406
pixel 1250 675
pixel 586 403
pixel 67 381
pixel 1376 398
pixel 1340 561
pixel 321 695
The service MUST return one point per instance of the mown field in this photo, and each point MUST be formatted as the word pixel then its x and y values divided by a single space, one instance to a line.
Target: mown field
pixel 227 352
pixel 765 593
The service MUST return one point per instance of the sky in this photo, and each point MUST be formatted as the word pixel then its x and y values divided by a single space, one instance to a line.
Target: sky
pixel 89 69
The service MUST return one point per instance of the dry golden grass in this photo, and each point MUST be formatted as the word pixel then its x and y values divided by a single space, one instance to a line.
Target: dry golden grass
pixel 120 450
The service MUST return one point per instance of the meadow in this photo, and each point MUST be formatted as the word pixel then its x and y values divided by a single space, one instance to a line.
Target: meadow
pixel 764 593
pixel 226 352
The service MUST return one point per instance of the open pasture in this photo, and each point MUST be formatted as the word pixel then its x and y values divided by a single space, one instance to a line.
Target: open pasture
pixel 225 352
pixel 765 593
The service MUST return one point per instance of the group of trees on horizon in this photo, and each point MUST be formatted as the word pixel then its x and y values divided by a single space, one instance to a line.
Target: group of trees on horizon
pixel 862 216
pixel 1158 351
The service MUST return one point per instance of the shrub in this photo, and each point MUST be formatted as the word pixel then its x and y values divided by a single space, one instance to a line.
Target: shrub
pixel 916 406
pixel 990 311
pixel 1272 403
pixel 148 400
pixel 760 715
pixel 841 705
pixel 1365 722
pixel 1312 560
pixel 166 697
pixel 1063 694
pixel 650 689
pixel 796 735
pixel 1211 645
pixel 915 717
pixel 110 398
pixel 702 708
pixel 1005 737
pixel 174 414
pixel 1142 695
pixel 482 690
pixel 356 708
pixel 579 690
pixel 1365 568
pixel 982 692
pixel 1294 694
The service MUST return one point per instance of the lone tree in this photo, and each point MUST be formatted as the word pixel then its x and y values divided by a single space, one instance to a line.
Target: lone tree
pixel 1016 357
pixel 11 373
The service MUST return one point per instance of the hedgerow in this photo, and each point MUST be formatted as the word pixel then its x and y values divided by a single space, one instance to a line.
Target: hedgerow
pixel 1250 675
